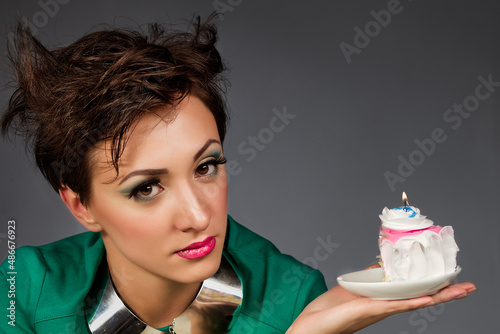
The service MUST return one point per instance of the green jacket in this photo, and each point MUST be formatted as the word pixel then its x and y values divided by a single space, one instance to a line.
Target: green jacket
pixel 45 289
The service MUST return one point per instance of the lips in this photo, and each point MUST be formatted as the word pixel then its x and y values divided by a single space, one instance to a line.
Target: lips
pixel 198 249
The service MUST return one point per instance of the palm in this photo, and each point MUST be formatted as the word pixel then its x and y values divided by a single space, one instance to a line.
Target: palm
pixel 339 311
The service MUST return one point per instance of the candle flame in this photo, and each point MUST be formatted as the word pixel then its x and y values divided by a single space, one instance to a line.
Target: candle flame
pixel 405 199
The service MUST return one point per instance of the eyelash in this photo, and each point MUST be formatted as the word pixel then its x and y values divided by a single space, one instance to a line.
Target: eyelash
pixel 216 163
pixel 156 182
pixel 139 187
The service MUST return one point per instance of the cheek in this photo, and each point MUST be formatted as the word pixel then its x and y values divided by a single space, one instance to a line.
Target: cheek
pixel 126 223
pixel 216 194
pixel 213 191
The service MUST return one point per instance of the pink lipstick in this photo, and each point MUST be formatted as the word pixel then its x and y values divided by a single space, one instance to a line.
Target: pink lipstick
pixel 198 249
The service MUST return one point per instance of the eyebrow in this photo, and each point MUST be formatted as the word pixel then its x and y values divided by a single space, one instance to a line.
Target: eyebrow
pixel 204 147
pixel 162 171
pixel 144 172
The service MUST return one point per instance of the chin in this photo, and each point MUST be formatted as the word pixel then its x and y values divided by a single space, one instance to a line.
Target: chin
pixel 205 268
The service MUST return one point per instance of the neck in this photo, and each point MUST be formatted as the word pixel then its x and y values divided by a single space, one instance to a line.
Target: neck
pixel 153 299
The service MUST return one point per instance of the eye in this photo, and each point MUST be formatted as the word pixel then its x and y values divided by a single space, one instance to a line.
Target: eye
pixel 211 167
pixel 146 191
pixel 206 169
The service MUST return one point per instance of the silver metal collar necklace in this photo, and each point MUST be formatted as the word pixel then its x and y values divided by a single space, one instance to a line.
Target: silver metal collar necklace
pixel 212 309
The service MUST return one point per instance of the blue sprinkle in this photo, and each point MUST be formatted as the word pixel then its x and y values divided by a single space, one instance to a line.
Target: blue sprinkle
pixel 406 209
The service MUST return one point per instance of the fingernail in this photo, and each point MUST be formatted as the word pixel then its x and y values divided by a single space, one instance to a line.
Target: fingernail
pixel 463 295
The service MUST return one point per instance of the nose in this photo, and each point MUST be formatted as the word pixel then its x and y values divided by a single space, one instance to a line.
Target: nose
pixel 193 210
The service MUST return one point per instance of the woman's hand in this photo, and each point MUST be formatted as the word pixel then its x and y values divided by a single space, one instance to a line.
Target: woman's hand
pixel 339 311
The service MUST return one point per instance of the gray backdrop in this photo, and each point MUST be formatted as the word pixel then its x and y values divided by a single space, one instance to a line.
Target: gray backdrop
pixel 337 107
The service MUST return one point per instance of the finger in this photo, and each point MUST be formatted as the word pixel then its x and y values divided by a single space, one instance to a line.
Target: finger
pixel 356 312
pixel 360 312
pixel 470 287
pixel 453 292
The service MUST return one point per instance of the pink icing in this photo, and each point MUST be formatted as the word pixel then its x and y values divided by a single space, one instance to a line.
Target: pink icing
pixel 395 235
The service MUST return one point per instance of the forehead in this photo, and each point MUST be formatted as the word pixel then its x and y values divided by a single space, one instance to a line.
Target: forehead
pixel 167 132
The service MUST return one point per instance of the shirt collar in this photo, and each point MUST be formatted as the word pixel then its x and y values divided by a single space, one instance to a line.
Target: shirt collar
pixel 218 298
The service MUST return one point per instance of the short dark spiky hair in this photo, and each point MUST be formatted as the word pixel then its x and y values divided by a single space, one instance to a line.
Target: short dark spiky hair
pixel 72 97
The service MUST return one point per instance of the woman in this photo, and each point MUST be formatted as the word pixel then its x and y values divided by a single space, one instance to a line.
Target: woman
pixel 128 129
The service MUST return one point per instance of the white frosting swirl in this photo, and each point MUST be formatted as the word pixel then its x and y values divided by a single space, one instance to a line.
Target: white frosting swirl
pixel 422 255
pixel 405 219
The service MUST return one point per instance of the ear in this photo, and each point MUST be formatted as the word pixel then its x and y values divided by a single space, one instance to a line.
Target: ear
pixel 81 213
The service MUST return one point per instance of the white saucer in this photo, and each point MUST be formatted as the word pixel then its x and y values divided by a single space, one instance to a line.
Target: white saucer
pixel 368 283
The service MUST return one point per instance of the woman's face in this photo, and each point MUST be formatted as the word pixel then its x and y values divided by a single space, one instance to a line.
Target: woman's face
pixel 166 213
